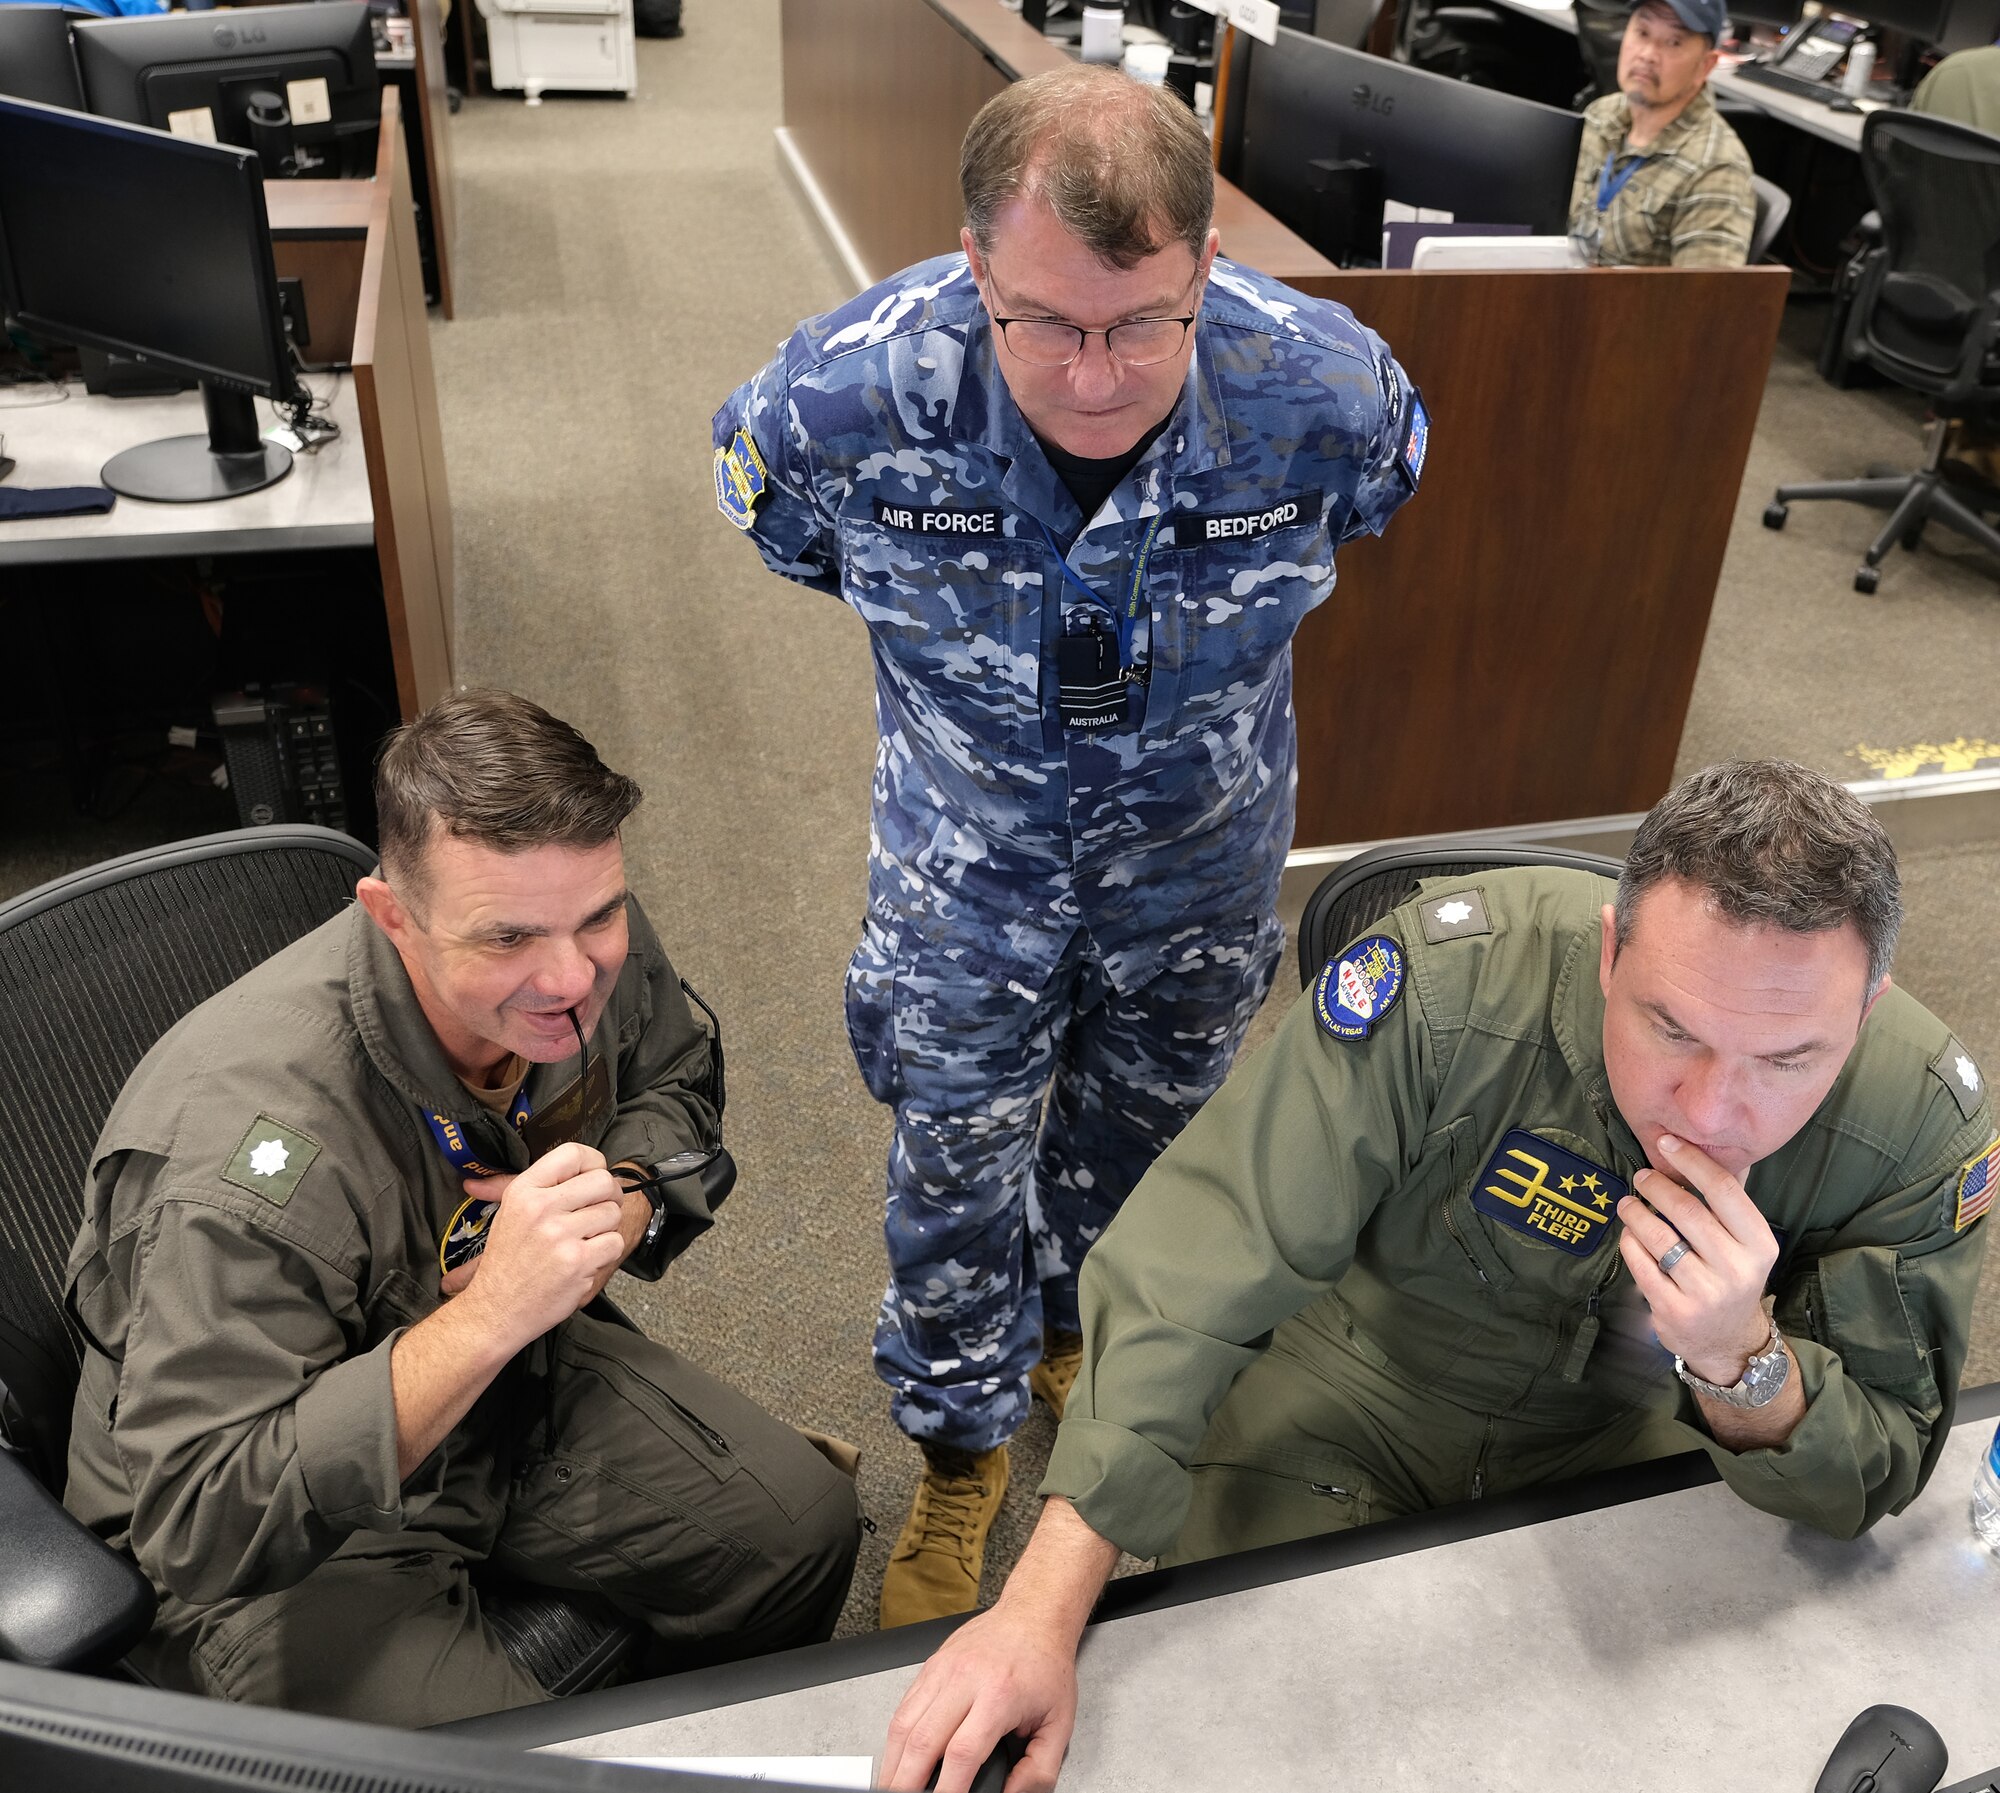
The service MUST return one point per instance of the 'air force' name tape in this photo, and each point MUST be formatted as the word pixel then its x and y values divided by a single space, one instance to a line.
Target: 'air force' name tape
pixel 1240 526
pixel 916 519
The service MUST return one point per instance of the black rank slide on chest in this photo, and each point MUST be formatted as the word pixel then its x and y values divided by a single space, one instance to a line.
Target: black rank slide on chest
pixel 1548 1193
pixel 966 522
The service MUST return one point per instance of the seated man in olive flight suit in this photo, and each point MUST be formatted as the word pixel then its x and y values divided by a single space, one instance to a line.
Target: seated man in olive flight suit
pixel 339 1232
pixel 1529 1184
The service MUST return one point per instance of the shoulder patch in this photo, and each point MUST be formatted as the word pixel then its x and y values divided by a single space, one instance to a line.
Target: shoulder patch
pixel 741 480
pixel 1416 439
pixel 1975 1187
pixel 1358 986
pixel 1953 1067
pixel 271 1160
pixel 1455 916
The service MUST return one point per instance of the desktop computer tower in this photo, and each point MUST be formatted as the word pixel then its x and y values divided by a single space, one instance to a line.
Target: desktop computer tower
pixel 284 764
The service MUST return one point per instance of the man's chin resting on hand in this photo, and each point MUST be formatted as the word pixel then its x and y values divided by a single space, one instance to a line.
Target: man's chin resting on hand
pixel 1688 1126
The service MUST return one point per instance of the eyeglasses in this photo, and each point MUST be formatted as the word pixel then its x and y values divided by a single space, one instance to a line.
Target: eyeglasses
pixel 1138 342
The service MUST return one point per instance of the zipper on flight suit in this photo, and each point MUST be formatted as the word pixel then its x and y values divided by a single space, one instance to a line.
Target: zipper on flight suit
pixel 1479 1463
pixel 1458 1239
pixel 1586 1338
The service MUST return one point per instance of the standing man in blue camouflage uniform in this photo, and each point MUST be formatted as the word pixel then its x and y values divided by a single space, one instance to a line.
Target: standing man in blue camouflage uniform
pixel 1082 482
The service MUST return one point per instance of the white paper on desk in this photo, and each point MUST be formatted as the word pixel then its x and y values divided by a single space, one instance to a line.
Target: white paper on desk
pixel 806 1771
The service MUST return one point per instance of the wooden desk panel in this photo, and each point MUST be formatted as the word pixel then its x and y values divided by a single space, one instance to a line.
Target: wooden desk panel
pixel 1520 645
pixel 878 95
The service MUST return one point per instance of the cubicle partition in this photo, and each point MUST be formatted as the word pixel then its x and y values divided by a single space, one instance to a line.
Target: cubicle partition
pixel 1520 646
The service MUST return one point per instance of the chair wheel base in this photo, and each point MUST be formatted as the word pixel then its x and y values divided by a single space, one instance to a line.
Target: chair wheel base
pixel 1775 515
pixel 1866 579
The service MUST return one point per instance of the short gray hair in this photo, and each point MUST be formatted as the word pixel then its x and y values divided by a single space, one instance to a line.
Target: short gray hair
pixel 1771 843
pixel 493 768
pixel 1122 164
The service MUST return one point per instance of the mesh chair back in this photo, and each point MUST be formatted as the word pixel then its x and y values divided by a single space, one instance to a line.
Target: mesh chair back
pixel 93 969
pixel 1937 186
pixel 1369 885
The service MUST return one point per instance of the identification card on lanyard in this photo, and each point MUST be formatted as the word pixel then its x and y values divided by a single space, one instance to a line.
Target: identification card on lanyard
pixel 1095 676
pixel 581 1106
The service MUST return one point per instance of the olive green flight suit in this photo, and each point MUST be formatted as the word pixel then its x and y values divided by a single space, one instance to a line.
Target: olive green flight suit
pixel 262 1223
pixel 1301 1321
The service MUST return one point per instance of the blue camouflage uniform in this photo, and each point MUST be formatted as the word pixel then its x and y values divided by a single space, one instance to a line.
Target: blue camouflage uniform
pixel 1067 930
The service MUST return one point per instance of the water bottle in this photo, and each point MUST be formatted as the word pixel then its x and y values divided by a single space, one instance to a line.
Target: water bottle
pixel 1986 1497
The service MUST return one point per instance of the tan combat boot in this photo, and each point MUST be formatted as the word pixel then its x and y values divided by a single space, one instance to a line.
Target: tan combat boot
pixel 934 1569
pixel 1053 1377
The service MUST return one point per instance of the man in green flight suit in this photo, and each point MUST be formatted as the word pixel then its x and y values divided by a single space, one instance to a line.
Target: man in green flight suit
pixel 1530 1184
pixel 339 1366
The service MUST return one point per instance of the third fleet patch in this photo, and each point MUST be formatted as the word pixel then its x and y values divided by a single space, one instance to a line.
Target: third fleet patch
pixel 1546 1191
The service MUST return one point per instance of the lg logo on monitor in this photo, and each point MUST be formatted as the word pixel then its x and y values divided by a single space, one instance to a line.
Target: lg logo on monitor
pixel 227 37
pixel 1366 99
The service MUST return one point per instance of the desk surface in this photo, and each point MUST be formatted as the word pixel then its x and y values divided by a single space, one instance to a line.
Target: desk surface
pixel 1606 1648
pixel 322 503
pixel 1843 128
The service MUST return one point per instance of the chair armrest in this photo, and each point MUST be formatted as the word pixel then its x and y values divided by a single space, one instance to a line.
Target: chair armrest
pixel 67 1600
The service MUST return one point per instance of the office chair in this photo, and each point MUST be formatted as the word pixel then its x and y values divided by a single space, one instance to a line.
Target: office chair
pixel 1364 889
pixel 1925 312
pixel 1774 206
pixel 95 967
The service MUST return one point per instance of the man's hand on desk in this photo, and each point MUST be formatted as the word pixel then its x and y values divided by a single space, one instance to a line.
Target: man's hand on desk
pixel 1009 1671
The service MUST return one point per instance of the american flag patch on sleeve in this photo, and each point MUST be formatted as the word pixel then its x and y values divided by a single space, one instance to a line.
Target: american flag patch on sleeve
pixel 1975 1187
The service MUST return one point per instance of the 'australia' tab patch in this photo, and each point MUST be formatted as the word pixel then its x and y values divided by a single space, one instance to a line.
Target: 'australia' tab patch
pixel 1549 1193
pixel 1358 987
pixel 271 1160
pixel 1455 916
pixel 1248 526
pixel 741 480
pixel 1975 1187
pixel 1953 1067
pixel 937 519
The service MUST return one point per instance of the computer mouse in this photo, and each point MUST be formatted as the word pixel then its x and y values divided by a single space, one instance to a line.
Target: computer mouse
pixel 1843 104
pixel 993 1772
pixel 1888 1749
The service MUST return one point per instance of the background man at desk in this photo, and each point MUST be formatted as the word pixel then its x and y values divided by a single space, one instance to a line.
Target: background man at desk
pixel 1082 482
pixel 1661 179
pixel 338 1237
pixel 1505 1202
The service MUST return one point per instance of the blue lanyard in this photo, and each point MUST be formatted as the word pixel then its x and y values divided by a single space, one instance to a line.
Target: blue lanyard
pixel 1610 186
pixel 452 1140
pixel 1128 622
pixel 465 1233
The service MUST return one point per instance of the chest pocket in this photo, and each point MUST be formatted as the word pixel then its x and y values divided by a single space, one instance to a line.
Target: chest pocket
pixel 1529 1218
pixel 956 626
pixel 1225 608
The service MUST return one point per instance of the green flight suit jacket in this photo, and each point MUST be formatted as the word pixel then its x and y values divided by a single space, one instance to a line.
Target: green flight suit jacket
pixel 1344 1171
pixel 234 1422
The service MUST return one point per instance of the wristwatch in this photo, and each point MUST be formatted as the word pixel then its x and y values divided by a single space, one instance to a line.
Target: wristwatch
pixel 1763 1376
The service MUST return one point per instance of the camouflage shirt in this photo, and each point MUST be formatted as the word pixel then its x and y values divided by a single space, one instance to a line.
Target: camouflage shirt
pixel 881 458
pixel 1687 202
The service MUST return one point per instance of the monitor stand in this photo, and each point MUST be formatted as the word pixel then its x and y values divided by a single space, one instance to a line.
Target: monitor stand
pixel 227 462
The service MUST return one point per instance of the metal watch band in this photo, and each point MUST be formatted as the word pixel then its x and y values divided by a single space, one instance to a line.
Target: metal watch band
pixel 1763 1376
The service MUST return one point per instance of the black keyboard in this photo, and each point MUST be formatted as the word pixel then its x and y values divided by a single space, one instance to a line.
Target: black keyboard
pixel 1989 1782
pixel 1793 84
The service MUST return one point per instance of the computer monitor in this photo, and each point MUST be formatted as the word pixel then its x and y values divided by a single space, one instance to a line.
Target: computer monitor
pixel 36 62
pixel 138 243
pixel 61 1733
pixel 1949 24
pixel 166 70
pixel 1482 156
pixel 1782 13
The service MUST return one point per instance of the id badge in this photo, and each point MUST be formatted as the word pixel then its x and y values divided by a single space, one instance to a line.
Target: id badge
pixel 1090 684
pixel 581 1107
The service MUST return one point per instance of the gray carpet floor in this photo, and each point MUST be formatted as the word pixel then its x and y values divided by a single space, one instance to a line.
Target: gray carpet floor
pixel 621 266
